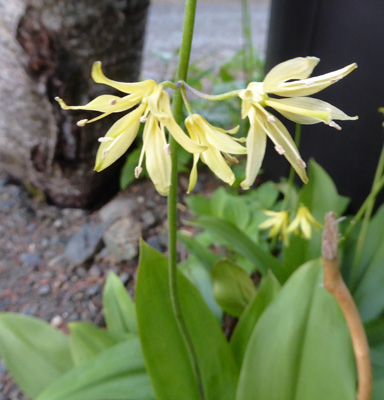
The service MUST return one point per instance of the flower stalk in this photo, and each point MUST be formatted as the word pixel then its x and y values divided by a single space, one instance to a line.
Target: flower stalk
pixel 334 283
pixel 182 72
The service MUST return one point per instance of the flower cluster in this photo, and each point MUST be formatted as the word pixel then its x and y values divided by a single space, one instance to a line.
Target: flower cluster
pixel 147 102
pixel 278 223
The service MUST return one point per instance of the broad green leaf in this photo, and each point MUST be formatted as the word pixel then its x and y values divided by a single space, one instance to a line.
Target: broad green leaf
pixel 199 205
pixel 320 196
pixel 88 340
pixel 267 193
pixel 201 278
pixel 239 242
pixel 300 349
pixel 204 255
pixel 117 373
pixel 233 288
pixel 119 309
pixel 167 359
pixel 34 352
pixel 268 290
pixel 378 390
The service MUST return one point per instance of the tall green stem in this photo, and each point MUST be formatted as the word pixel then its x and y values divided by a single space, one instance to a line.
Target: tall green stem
pixel 182 71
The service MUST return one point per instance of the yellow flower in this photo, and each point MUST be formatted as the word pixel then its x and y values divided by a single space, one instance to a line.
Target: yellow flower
pixel 153 109
pixel 304 221
pixel 217 142
pixel 289 79
pixel 278 222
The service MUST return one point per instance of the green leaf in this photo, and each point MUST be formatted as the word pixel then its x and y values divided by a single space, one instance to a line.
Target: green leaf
pixel 267 194
pixel 268 290
pixel 34 352
pixel 87 341
pixel 199 205
pixel 119 309
pixel 320 196
pixel 167 359
pixel 204 255
pixel 378 389
pixel 233 289
pixel 300 349
pixel 117 373
pixel 201 278
pixel 239 242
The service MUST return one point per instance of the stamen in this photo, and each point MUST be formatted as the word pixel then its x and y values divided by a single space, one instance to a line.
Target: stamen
pixel 138 171
pixel 143 119
pixel 112 102
pixel 105 139
pixel 167 149
pixel 279 149
pixel 301 162
pixel 231 159
pixel 82 122
pixel 333 124
pixel 105 153
pixel 271 118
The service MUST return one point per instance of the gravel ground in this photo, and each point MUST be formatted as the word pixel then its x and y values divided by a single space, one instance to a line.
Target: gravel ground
pixel 53 262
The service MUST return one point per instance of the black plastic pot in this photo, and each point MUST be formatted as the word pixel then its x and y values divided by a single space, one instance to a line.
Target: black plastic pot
pixel 339 32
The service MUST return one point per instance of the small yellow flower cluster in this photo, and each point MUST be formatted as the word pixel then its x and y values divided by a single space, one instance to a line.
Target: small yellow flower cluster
pixel 149 103
pixel 279 225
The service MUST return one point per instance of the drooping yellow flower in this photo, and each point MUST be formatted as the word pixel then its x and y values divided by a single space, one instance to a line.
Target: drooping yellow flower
pixel 217 142
pixel 303 222
pixel 153 109
pixel 278 222
pixel 291 80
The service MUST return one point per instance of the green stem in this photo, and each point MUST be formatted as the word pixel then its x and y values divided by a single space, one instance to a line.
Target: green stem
pixel 367 217
pixel 186 101
pixel 182 71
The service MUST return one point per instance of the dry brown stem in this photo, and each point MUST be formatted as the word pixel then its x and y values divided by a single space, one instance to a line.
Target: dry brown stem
pixel 334 283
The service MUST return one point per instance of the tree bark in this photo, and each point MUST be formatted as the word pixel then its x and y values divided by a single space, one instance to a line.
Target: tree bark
pixel 47 50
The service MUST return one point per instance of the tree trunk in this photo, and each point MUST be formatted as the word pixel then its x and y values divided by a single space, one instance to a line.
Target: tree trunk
pixel 47 50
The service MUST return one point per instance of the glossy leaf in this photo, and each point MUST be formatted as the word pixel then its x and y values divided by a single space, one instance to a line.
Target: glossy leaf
pixel 119 309
pixel 34 352
pixel 167 359
pixel 239 242
pixel 117 373
pixel 268 290
pixel 378 390
pixel 233 288
pixel 300 349
pixel 88 340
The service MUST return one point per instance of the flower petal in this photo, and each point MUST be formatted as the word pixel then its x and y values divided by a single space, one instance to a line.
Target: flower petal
pixel 256 143
pixel 279 135
pixel 157 161
pixel 300 112
pixel 193 174
pixel 123 132
pixel 297 68
pixel 216 162
pixel 310 104
pixel 306 87
pixel 142 88
pixel 216 138
pixel 105 103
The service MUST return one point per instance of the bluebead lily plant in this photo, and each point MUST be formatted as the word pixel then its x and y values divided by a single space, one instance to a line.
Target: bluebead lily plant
pixel 293 339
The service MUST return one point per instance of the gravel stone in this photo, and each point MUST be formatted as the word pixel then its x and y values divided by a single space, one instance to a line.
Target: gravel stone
pixel 44 290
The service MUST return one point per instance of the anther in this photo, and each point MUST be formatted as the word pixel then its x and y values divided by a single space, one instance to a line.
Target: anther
pixel 105 139
pixel 143 119
pixel 105 153
pixel 167 149
pixel 138 171
pixel 82 122
pixel 301 163
pixel 271 118
pixel 333 124
pixel 279 149
pixel 112 102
